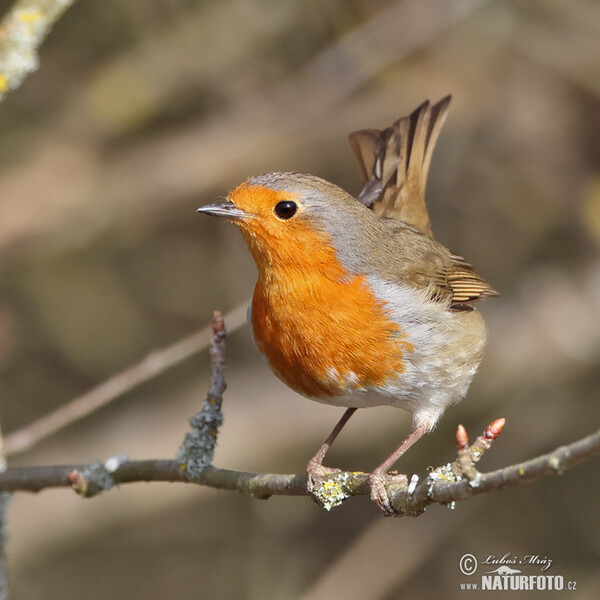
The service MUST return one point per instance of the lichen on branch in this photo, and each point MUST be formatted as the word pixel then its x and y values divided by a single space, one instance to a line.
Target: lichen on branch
pixel 22 31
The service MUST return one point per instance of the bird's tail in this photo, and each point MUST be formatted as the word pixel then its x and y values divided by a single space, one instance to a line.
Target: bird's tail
pixel 394 163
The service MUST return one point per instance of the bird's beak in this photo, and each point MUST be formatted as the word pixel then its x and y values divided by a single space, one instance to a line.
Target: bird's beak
pixel 225 209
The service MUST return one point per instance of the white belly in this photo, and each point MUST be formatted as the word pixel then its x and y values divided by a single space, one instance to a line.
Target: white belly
pixel 448 347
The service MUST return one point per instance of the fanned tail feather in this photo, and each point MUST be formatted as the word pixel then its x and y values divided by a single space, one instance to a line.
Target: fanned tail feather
pixel 394 163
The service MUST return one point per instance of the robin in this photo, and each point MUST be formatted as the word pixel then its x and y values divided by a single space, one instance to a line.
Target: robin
pixel 356 304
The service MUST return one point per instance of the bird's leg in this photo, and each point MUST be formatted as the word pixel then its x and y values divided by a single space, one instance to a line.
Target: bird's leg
pixel 380 476
pixel 314 468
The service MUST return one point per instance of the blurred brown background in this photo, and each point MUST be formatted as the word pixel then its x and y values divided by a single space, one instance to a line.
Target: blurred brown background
pixel 143 111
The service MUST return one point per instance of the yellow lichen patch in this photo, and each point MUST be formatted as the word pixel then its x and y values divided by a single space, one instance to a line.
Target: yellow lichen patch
pixel 445 473
pixel 3 83
pixel 332 492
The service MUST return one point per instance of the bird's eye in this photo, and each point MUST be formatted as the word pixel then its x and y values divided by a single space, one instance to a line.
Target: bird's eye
pixel 286 209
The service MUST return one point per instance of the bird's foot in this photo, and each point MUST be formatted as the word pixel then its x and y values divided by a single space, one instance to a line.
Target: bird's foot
pixel 316 475
pixel 377 482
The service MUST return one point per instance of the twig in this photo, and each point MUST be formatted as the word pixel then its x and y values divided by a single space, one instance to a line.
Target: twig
pixel 111 389
pixel 431 490
pixel 469 456
pixel 22 31
pixel 198 447
pixel 554 463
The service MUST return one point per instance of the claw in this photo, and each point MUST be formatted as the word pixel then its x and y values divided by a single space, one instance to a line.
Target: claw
pixel 377 482
pixel 316 474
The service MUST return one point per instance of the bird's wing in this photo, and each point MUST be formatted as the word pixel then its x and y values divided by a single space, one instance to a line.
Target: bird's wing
pixel 416 260
pixel 467 286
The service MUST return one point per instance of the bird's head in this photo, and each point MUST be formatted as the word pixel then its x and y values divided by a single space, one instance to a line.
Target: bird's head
pixel 289 218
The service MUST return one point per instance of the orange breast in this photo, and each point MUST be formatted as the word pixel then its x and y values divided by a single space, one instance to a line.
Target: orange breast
pixel 322 330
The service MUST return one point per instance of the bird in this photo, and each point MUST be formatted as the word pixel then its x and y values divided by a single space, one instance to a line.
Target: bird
pixel 356 304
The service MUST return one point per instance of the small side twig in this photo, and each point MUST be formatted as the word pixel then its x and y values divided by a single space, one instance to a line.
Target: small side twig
pixel 469 456
pixel 198 447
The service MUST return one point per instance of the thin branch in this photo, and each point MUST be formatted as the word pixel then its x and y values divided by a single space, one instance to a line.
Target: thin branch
pixel 22 31
pixel 153 365
pixel 198 447
pixel 437 487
